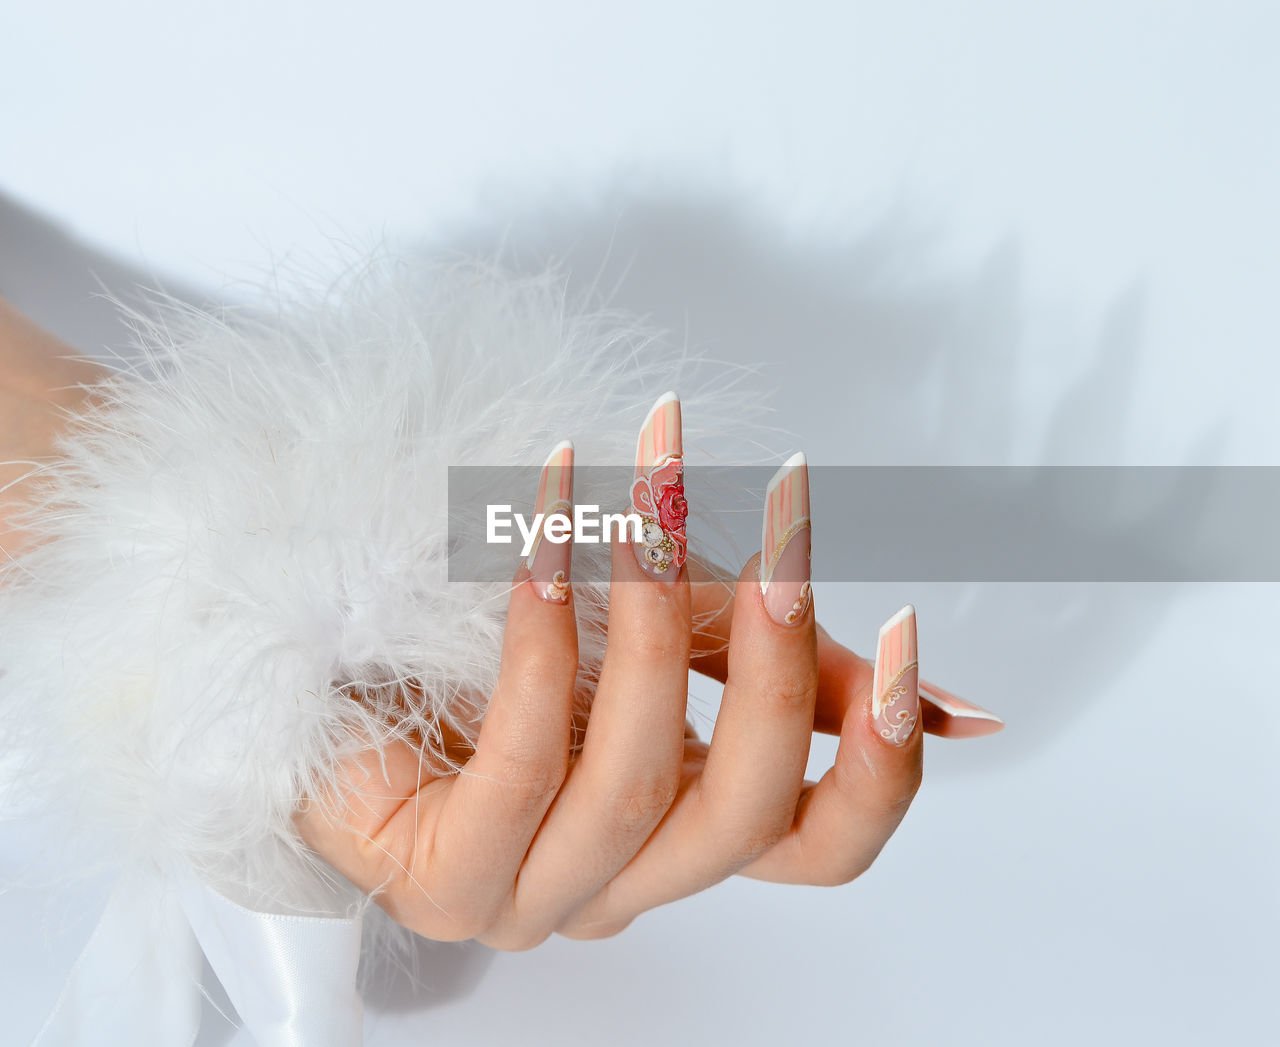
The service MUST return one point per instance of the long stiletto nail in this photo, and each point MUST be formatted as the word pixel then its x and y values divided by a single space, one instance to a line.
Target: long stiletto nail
pixel 963 719
pixel 550 560
pixel 895 693
pixel 785 544
pixel 657 494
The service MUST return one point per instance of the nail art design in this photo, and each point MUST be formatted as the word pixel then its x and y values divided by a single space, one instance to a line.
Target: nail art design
pixel 785 545
pixel 895 693
pixel 657 495
pixel 963 718
pixel 549 561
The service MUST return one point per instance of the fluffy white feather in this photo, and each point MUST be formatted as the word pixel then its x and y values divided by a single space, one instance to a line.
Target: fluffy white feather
pixel 242 562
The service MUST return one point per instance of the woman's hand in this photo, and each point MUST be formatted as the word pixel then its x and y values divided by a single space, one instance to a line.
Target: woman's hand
pixel 530 839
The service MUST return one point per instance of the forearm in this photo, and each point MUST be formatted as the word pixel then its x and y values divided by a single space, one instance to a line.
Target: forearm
pixel 39 376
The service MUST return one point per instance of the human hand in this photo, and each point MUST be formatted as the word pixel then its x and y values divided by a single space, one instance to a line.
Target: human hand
pixel 532 838
pixel 547 839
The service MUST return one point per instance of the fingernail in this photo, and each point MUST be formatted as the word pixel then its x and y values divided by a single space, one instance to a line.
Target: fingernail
pixel 785 544
pixel 968 720
pixel 551 557
pixel 895 692
pixel 657 494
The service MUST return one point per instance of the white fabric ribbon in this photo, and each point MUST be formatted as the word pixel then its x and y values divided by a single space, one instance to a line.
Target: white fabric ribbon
pixel 291 978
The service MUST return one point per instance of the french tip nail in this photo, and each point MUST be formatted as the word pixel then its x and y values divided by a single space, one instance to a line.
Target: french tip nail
pixel 955 706
pixel 796 461
pixel 786 543
pixel 895 694
pixel 660 435
pixel 909 611
pixel 550 562
pixel 669 397
pixel 563 445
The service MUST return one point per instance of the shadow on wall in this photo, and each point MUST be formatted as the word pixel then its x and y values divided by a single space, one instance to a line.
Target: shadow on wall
pixel 846 335
pixel 60 282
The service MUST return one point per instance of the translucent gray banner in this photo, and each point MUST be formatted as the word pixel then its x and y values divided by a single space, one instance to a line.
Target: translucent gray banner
pixel 939 524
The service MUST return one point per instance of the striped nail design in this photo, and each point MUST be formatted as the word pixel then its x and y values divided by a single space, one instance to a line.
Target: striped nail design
pixel 785 545
pixel 549 561
pixel 963 719
pixel 895 693
pixel 657 494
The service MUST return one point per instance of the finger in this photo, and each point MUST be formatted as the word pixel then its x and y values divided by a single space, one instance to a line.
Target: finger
pixel 844 677
pixel 744 800
pixel 347 824
pixel 493 807
pixel 629 770
pixel 844 820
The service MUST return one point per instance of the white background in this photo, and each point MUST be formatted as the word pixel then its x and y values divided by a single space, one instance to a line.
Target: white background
pixel 983 233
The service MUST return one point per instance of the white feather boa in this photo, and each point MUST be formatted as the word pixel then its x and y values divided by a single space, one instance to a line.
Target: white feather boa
pixel 250 530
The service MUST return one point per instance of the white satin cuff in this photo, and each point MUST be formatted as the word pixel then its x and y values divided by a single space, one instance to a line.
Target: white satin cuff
pixel 291 978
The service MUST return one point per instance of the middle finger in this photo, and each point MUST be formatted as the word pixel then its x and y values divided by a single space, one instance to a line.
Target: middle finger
pixel 744 800
pixel 629 771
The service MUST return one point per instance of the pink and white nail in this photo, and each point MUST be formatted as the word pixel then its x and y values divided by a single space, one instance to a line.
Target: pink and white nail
pixel 895 692
pixel 657 494
pixel 551 558
pixel 785 543
pixel 959 718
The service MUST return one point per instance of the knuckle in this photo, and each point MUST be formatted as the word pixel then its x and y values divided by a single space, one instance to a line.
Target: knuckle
pixel 514 939
pixel 464 922
pixel 855 867
pixel 594 931
pixel 639 808
pixel 742 850
pixel 793 692
pixel 657 639
pixel 848 775
pixel 767 834
pixel 892 805
pixel 372 860
pixel 847 869
pixel 432 912
pixel 536 667
pixel 887 796
pixel 836 876
pixel 427 920
pixel 834 867
pixel 532 779
pixel 746 843
pixel 787 693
